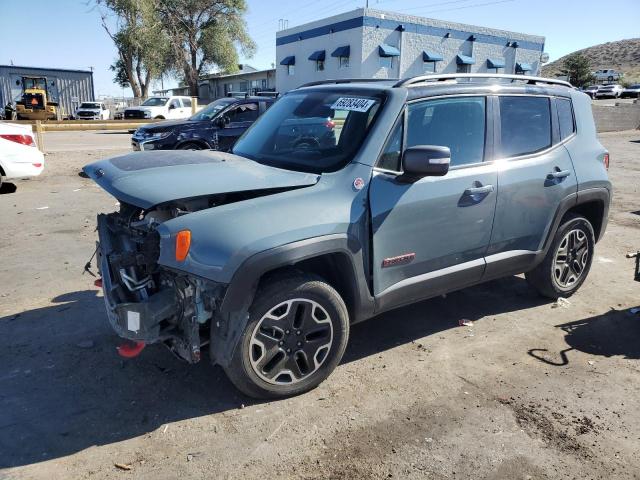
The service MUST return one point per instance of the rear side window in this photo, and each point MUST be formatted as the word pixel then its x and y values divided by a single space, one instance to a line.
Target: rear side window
pixel 457 123
pixel 186 102
pixel 565 117
pixel 525 124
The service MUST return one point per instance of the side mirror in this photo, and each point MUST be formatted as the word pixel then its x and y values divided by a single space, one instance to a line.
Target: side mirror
pixel 425 161
pixel 172 106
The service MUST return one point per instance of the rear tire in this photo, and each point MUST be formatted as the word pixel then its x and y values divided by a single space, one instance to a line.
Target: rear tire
pixel 568 261
pixel 296 335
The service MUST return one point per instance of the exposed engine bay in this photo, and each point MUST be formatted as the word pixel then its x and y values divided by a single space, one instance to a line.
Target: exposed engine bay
pixel 145 301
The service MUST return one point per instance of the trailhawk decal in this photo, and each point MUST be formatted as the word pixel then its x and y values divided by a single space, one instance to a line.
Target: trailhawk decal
pixel 399 260
pixel 353 104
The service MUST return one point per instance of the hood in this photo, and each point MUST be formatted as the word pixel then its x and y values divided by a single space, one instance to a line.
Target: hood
pixel 168 124
pixel 146 179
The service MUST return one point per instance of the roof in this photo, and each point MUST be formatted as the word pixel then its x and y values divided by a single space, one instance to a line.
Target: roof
pixel 214 76
pixel 24 67
pixel 446 84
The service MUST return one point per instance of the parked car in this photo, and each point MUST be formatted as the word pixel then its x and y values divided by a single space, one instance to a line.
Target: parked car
pixel 19 154
pixel 217 126
pixel 609 91
pixel 591 90
pixel 92 111
pixel 270 253
pixel 161 108
pixel 607 75
pixel 632 91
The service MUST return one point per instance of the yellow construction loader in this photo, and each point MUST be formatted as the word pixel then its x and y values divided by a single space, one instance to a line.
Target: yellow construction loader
pixel 35 103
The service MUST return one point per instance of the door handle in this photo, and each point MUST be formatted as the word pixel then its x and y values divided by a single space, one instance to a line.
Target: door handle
pixel 557 174
pixel 479 190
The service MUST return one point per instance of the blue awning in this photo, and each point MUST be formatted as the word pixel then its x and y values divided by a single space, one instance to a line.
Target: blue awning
pixel 431 57
pixel 317 56
pixel 495 63
pixel 288 60
pixel 464 60
pixel 385 50
pixel 342 51
pixel 523 67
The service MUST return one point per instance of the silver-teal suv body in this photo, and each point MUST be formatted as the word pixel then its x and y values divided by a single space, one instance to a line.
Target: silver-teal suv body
pixel 344 200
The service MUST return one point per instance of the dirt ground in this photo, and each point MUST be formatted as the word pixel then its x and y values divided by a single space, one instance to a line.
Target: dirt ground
pixel 531 391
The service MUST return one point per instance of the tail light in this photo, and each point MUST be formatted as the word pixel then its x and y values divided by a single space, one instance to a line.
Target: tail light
pixel 183 243
pixel 605 160
pixel 21 139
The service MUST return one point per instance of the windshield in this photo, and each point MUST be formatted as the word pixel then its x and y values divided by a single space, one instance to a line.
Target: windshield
pixel 213 109
pixel 90 105
pixel 155 102
pixel 310 131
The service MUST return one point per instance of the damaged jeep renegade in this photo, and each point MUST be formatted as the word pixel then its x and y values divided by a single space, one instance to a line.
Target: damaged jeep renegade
pixel 346 199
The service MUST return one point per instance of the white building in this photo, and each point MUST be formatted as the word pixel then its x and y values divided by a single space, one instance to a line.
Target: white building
pixel 367 43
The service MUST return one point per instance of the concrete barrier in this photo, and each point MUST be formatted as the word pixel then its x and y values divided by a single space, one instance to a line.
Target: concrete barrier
pixel 617 118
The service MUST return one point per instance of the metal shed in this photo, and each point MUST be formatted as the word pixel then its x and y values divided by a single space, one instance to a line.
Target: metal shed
pixel 67 87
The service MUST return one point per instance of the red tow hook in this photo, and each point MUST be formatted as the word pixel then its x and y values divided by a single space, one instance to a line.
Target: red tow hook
pixel 98 283
pixel 130 349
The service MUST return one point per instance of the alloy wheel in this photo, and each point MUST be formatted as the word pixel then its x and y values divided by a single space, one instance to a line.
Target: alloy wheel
pixel 291 341
pixel 571 258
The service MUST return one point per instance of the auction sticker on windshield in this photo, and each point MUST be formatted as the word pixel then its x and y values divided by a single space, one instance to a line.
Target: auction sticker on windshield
pixel 353 104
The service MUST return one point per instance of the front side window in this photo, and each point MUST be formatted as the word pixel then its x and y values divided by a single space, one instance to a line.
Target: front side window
pixel 311 131
pixel 457 123
pixel 390 158
pixel 174 103
pixel 247 112
pixel 186 102
pixel 565 117
pixel 291 69
pixel 525 125
pixel 344 62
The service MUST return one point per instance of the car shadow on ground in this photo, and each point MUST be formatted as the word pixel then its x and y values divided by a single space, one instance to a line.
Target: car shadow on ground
pixel 614 333
pixel 8 187
pixel 64 388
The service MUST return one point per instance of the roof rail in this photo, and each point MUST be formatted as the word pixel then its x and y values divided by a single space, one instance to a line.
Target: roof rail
pixel 347 80
pixel 454 76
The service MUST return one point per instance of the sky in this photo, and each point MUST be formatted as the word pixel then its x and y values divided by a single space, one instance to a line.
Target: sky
pixel 68 34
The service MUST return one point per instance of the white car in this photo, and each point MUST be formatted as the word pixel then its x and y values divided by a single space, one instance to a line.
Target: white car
pixel 19 154
pixel 92 111
pixel 613 91
pixel 161 108
pixel 607 75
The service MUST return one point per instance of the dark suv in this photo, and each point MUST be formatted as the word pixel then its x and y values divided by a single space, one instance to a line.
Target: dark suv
pixel 421 187
pixel 217 126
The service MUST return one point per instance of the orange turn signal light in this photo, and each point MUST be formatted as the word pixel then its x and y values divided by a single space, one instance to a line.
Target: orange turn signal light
pixel 183 243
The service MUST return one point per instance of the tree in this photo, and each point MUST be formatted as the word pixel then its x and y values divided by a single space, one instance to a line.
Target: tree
pixel 577 68
pixel 120 77
pixel 204 34
pixel 140 39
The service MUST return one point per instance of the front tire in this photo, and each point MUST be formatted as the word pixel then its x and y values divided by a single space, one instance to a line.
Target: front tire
pixel 296 335
pixel 568 261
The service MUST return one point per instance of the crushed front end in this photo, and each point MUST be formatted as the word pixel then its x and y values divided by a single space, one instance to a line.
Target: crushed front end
pixel 145 301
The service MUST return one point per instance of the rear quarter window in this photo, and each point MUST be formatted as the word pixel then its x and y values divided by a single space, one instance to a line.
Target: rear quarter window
pixel 525 125
pixel 565 117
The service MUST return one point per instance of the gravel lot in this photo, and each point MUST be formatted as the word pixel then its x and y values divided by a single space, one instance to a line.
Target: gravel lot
pixel 529 391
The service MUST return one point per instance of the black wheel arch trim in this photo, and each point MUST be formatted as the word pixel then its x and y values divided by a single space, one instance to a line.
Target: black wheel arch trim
pixel 198 141
pixel 233 315
pixel 571 201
